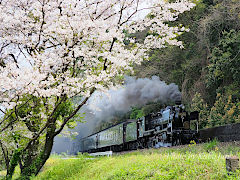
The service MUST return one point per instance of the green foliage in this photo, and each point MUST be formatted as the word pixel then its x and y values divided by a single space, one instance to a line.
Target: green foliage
pixel 224 67
pixel 217 112
pixel 211 146
pixel 199 105
pixel 180 66
pixel 208 2
pixel 136 113
pixel 207 70
pixel 224 111
pixel 209 63
pixel 32 115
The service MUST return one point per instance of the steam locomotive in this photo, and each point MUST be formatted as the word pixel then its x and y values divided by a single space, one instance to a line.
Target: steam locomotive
pixel 170 126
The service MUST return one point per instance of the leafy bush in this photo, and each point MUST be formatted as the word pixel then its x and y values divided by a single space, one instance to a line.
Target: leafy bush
pixel 211 146
pixel 224 111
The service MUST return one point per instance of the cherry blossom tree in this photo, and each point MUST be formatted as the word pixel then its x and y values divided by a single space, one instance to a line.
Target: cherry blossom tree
pixel 54 50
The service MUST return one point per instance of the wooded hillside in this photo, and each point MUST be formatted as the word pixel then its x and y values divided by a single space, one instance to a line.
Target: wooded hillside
pixel 207 70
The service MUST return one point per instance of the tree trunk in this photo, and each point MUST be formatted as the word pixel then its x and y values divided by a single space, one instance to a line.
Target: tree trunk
pixel 33 157
pixel 5 155
pixel 34 163
pixel 13 163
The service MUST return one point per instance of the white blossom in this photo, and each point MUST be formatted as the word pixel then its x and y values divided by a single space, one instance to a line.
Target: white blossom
pixel 69 46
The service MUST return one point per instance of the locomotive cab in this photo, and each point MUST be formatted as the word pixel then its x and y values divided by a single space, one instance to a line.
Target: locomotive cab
pixel 170 126
pixel 185 127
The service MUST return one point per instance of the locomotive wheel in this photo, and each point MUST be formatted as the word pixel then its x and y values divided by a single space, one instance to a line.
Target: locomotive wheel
pixel 177 142
pixel 139 145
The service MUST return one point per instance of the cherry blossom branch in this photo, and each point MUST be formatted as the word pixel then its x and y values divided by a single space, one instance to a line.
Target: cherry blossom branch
pixel 52 42
pixel 103 12
pixel 41 27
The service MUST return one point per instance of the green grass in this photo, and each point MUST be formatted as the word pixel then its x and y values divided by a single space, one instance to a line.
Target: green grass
pixel 142 166
pixel 204 161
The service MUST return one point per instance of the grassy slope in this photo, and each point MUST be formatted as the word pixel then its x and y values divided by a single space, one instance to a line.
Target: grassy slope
pixel 205 161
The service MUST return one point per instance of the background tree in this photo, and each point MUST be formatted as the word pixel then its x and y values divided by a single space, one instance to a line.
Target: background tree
pixel 223 69
pixel 199 105
pixel 53 51
pixel 209 63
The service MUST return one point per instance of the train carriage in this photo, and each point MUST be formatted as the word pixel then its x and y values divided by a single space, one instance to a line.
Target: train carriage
pixel 111 136
pixel 170 126
pixel 131 131
pixel 89 142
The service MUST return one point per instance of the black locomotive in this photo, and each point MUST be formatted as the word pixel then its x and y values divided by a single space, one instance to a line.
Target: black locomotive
pixel 171 126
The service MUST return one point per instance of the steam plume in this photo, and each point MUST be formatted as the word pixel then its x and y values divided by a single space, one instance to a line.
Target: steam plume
pixel 135 92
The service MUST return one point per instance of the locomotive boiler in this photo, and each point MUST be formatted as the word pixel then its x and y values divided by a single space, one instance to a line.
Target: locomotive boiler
pixel 170 126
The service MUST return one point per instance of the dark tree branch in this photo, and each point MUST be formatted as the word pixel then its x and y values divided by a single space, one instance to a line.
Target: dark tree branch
pixel 41 28
pixel 36 136
pixel 74 113
pixel 8 125
pixel 103 12
pixel 64 98
pixel 3 46
pixel 24 54
pixel 14 59
pixel 11 114
pixel 121 13
pixel 110 50
pixel 2 111
pixel 50 120
pixel 129 17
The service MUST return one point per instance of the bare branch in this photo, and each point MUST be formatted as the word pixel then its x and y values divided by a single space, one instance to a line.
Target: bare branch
pixel 103 12
pixel 105 61
pixel 2 111
pixel 14 59
pixel 41 27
